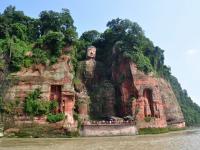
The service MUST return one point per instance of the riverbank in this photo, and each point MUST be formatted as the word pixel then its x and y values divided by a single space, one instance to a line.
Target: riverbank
pixel 39 131
pixel 158 130
pixel 176 140
pixel 55 131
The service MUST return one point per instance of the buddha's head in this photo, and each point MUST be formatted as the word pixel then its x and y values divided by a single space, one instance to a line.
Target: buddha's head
pixel 91 52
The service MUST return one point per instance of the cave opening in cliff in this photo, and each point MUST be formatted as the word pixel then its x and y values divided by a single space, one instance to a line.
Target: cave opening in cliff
pixel 55 94
pixel 147 93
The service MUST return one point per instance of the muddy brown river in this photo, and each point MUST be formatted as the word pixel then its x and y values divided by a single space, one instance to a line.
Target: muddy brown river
pixel 182 140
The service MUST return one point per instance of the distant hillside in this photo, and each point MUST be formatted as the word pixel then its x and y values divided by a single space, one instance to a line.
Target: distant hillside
pixel 191 110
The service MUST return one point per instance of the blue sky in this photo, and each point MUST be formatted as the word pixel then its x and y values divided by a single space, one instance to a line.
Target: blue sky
pixel 173 25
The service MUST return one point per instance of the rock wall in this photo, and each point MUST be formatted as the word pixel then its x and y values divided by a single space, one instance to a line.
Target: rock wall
pixel 153 103
pixel 163 95
pixel 147 98
pixel 95 94
pixel 122 77
pixel 172 108
pixel 54 81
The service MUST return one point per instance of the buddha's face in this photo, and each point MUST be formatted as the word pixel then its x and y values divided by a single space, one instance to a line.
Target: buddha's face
pixel 91 52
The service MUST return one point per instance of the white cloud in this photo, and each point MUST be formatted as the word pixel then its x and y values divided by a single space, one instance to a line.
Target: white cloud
pixel 192 52
pixel 192 57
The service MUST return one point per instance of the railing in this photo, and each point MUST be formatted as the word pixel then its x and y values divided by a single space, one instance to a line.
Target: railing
pixel 109 122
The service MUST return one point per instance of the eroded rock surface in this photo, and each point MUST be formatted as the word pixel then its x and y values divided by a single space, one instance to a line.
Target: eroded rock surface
pixel 148 98
pixel 94 94
pixel 54 81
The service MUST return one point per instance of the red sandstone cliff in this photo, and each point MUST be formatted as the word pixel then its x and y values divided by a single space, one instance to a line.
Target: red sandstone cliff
pixel 148 98
pixel 54 81
pixel 153 103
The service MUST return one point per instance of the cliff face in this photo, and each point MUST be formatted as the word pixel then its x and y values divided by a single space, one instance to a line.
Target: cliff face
pixel 129 92
pixel 55 83
pixel 153 103
pixel 171 106
pixel 96 95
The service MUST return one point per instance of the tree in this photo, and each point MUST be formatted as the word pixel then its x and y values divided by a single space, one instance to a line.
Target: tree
pixel 54 21
pixel 90 36
pixel 39 56
pixel 11 15
pixel 53 42
pixel 19 30
pixel 49 21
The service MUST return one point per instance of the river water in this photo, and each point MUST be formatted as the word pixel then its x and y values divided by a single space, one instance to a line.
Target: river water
pixel 181 140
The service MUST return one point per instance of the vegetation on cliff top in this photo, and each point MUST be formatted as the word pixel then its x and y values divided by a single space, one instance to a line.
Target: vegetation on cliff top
pixel 25 41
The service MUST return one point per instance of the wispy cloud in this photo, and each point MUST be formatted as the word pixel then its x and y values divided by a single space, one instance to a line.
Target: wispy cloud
pixel 192 56
pixel 192 52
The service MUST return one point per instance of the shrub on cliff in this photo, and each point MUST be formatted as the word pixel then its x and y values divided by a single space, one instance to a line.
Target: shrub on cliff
pixel 34 106
pixel 39 56
pixel 53 107
pixel 13 52
pixel 55 117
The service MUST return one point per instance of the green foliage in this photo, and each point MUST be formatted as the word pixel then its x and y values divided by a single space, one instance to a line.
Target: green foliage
pixel 70 36
pixel 158 130
pixel 191 110
pixel 71 134
pixel 39 56
pixel 55 117
pixel 2 63
pixel 33 130
pixel 9 107
pixel 77 84
pixel 77 117
pixel 90 36
pixel 125 40
pixel 77 81
pixel 81 49
pixel 27 61
pixel 52 43
pixel 14 53
pixel 142 62
pixel 153 130
pixel 55 21
pixel 34 106
pixel 52 31
pixel 53 106
pixel 19 30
